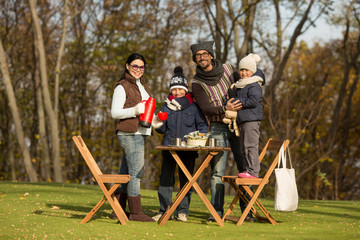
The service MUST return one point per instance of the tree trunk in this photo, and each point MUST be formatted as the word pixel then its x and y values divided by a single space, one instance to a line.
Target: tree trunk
pixel 42 128
pixel 58 60
pixel 281 65
pixel 46 95
pixel 250 10
pixel 16 117
pixel 11 158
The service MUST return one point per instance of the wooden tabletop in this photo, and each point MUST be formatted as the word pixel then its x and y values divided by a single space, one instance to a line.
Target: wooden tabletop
pixel 191 148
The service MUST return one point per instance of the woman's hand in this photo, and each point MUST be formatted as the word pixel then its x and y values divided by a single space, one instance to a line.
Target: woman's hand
pixel 139 108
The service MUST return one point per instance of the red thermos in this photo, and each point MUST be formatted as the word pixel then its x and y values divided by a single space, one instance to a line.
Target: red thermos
pixel 147 117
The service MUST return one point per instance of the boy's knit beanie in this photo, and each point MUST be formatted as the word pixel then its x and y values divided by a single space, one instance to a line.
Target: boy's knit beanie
pixel 178 80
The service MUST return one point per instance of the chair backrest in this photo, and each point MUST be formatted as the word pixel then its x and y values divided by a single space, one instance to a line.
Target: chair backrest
pixel 90 161
pixel 273 145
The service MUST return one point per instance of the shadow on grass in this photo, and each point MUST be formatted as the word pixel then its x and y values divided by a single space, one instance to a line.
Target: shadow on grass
pixel 350 214
pixel 198 217
pixel 70 210
pixel 53 184
pixel 354 208
pixel 79 212
pixel 62 187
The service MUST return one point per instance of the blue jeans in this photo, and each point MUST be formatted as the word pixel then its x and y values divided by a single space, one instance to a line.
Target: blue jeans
pixel 220 131
pixel 132 162
pixel 167 180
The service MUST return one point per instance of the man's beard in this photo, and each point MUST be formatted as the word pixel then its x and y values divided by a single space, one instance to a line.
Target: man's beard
pixel 204 64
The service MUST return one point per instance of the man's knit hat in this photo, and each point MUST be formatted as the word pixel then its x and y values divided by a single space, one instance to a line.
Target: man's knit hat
pixel 204 45
pixel 178 80
pixel 249 62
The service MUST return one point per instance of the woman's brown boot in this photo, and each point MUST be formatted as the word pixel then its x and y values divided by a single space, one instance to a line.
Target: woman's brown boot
pixel 122 198
pixel 136 213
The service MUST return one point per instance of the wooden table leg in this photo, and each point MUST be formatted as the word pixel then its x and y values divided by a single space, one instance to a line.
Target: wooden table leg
pixel 208 205
pixel 188 185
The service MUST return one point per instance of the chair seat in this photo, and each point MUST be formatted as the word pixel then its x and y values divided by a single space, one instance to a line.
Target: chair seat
pixel 243 181
pixel 112 178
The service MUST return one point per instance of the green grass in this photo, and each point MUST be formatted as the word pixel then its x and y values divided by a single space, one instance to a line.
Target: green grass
pixel 54 211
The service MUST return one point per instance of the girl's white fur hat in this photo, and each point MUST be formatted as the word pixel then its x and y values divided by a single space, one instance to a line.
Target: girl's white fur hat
pixel 249 62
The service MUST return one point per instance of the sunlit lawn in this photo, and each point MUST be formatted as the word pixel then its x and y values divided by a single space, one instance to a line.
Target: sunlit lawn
pixel 54 211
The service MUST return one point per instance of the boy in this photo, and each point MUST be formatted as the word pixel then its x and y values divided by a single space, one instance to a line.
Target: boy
pixel 183 117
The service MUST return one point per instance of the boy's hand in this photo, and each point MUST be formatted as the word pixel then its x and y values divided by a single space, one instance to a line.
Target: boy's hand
pixel 233 105
pixel 157 123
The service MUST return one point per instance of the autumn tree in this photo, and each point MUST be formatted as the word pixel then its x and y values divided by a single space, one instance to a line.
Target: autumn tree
pixel 16 116
pixel 343 124
pixel 49 107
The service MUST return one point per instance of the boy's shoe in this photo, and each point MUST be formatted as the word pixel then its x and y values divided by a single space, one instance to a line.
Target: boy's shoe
pixel 211 219
pixel 182 217
pixel 159 215
pixel 245 174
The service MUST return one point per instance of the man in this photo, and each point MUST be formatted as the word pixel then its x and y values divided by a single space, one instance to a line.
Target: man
pixel 209 88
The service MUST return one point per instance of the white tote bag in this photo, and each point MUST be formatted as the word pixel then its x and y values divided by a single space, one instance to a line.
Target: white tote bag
pixel 286 194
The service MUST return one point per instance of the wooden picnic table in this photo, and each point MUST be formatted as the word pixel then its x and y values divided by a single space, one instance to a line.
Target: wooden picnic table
pixel 212 151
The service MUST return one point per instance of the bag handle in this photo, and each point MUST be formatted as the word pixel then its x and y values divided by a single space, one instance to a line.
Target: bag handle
pixel 288 151
pixel 282 157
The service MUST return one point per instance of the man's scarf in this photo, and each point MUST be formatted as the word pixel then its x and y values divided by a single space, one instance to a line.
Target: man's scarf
pixel 211 77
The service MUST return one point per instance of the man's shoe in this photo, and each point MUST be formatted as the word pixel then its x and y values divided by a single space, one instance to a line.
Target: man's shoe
pixel 249 218
pixel 182 217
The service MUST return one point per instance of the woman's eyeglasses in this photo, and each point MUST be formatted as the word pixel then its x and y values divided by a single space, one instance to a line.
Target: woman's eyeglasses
pixel 136 67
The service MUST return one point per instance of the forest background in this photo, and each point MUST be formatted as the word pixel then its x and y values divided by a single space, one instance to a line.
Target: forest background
pixel 60 61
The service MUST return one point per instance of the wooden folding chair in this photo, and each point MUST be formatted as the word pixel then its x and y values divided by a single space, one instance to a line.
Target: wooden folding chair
pixel 103 181
pixel 242 186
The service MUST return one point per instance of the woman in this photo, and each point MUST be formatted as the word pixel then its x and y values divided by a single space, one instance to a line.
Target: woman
pixel 126 107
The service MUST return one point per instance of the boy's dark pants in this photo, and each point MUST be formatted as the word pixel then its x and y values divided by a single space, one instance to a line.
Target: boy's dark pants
pixel 167 180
